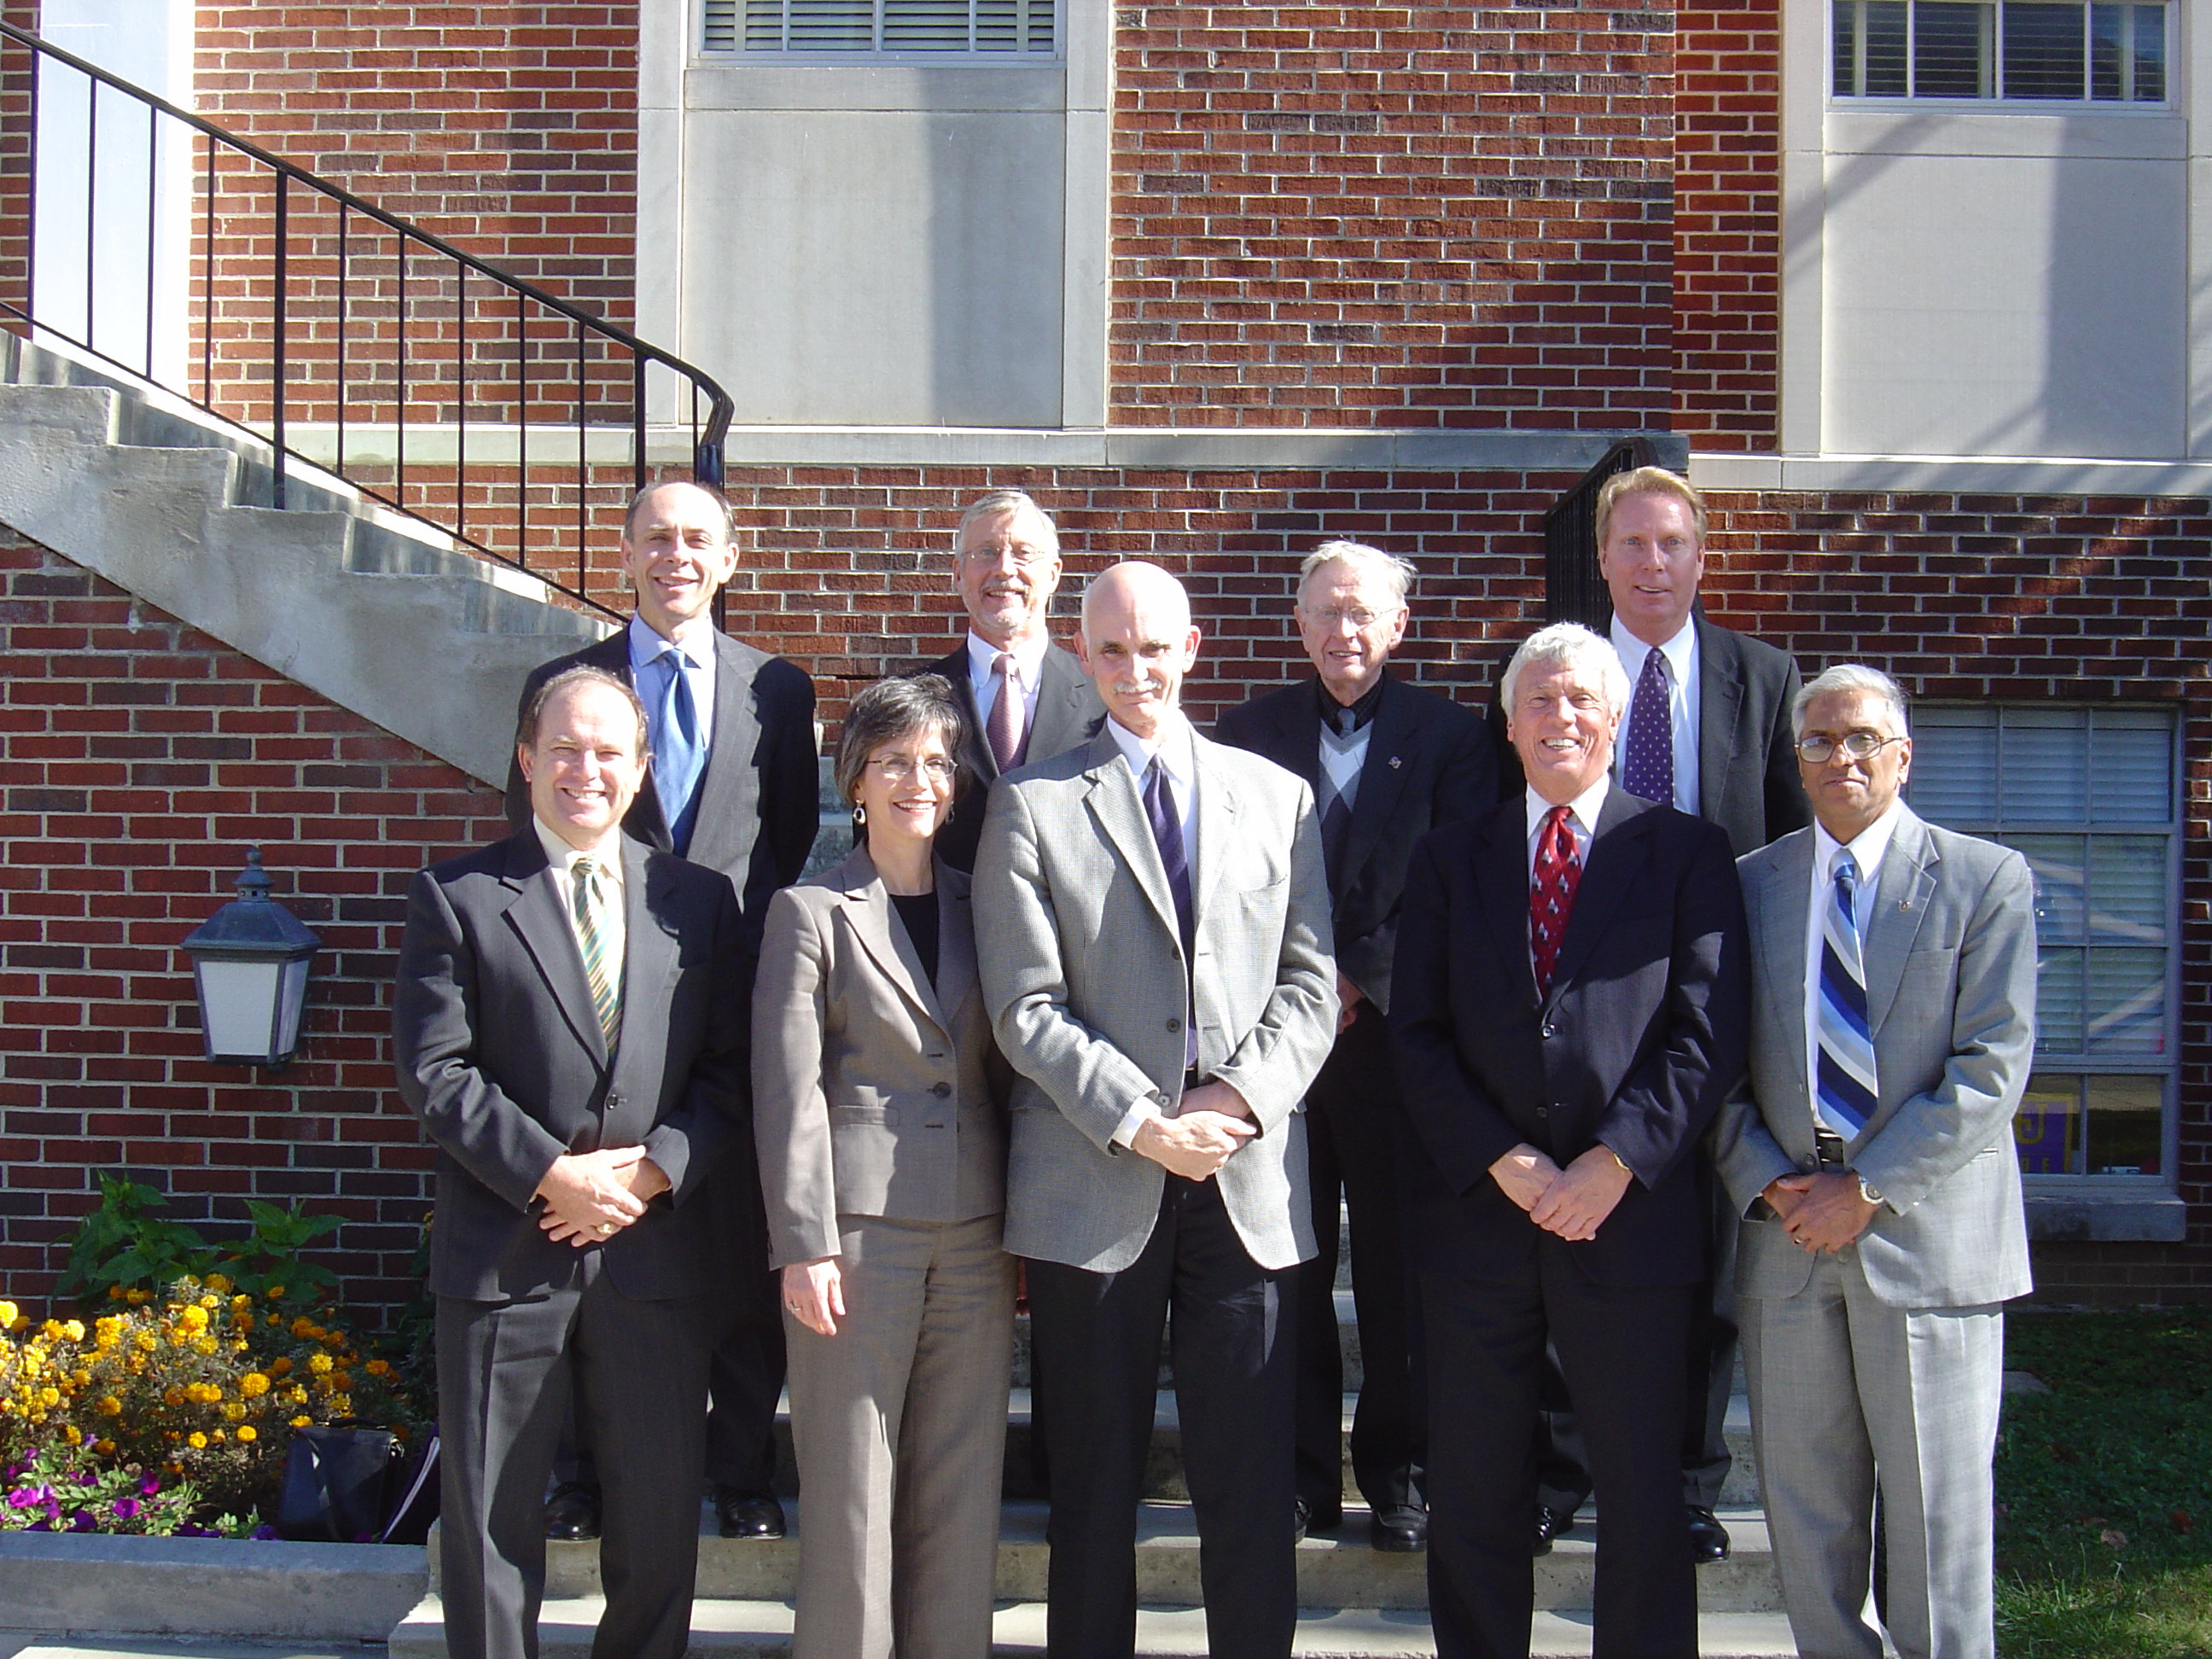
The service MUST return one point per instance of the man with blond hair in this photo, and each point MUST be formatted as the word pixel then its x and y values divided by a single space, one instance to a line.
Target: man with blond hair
pixel 1388 763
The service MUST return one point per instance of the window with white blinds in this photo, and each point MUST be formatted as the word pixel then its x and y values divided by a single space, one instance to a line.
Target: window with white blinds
pixel 2016 50
pixel 2089 795
pixel 993 29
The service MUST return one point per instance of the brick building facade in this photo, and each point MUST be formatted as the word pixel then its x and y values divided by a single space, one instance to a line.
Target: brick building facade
pixel 1389 274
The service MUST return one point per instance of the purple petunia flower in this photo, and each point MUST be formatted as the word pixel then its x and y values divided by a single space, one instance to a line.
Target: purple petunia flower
pixel 262 1532
pixel 126 1509
pixel 82 1521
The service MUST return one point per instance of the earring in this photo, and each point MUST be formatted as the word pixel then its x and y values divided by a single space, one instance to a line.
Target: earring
pixel 859 815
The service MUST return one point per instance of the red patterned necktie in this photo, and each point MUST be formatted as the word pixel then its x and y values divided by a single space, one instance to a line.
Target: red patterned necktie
pixel 1552 894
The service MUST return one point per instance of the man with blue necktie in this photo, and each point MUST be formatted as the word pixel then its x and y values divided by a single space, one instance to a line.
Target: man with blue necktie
pixel 733 786
pixel 1871 1160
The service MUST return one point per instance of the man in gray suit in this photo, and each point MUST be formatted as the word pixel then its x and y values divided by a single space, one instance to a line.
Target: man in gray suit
pixel 561 1024
pixel 1892 1028
pixel 1152 927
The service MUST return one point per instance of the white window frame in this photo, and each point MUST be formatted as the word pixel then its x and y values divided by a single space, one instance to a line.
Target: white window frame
pixel 1997 101
pixel 2082 1063
pixel 723 29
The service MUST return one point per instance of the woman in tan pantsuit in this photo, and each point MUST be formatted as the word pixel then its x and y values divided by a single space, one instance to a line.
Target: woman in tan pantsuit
pixel 878 1110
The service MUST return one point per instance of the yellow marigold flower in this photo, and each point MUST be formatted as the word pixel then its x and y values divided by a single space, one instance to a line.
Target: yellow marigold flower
pixel 273 1292
pixel 76 1435
pixel 317 1334
pixel 281 1366
pixel 254 1385
pixel 115 1293
pixel 173 1397
pixel 195 1440
pixel 218 1435
pixel 297 1393
pixel 105 1447
pixel 108 1406
pixel 147 1340
pixel 376 1367
pixel 235 1411
pixel 301 1420
pixel 211 1302
pixel 302 1326
pixel 49 1397
pixel 136 1299
pixel 319 1363
pixel 73 1329
pixel 341 1404
pixel 169 1434
pixel 247 1435
pixel 219 1282
pixel 340 1380
pixel 193 1319
pixel 241 1301
pixel 80 1376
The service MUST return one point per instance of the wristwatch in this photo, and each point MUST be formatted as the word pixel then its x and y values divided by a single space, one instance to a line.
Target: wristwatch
pixel 1866 1193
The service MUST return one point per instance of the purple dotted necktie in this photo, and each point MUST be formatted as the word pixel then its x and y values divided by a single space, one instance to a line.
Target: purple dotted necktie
pixel 1648 772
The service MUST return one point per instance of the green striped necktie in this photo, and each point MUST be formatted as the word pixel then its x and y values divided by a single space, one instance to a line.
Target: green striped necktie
pixel 603 977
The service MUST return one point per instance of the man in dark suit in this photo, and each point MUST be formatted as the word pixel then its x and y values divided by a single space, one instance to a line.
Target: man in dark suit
pixel 1387 763
pixel 1707 731
pixel 561 1025
pixel 1006 561
pixel 733 786
pixel 1570 1008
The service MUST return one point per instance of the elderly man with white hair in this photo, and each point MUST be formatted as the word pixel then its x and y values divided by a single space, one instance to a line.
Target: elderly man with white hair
pixel 1388 763
pixel 1871 1158
pixel 1569 1006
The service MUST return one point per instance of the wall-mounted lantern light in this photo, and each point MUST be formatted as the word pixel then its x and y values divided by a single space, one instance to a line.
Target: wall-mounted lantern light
pixel 250 963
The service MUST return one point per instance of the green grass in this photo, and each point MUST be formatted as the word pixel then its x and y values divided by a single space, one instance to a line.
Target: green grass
pixel 2105 1488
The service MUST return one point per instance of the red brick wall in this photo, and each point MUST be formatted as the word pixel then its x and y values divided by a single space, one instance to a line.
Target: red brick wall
pixel 511 130
pixel 1728 222
pixel 2018 598
pixel 1406 217
pixel 141 760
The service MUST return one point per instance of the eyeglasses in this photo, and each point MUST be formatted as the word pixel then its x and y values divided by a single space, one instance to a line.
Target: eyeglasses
pixel 1024 557
pixel 1856 745
pixel 1361 620
pixel 898 768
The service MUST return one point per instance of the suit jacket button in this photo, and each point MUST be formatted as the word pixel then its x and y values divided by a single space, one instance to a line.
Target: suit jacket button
pixel 1543 1111
pixel 1175 1025
pixel 940 1090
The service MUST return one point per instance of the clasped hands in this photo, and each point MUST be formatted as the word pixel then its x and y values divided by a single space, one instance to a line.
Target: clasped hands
pixel 1210 1124
pixel 1822 1212
pixel 591 1196
pixel 1571 1202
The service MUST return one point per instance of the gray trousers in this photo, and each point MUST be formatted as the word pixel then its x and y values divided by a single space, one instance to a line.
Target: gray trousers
pixel 899 1424
pixel 507 1372
pixel 1846 1389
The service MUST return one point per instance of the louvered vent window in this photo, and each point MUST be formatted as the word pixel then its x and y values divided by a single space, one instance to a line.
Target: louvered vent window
pixel 2089 795
pixel 993 28
pixel 2014 51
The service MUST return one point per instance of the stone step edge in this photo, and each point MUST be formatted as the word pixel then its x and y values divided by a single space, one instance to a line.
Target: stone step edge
pixel 761 1630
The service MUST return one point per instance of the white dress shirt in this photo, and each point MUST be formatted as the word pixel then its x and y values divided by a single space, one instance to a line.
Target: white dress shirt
pixel 1178 758
pixel 1681 655
pixel 1028 669
pixel 563 857
pixel 650 676
pixel 1581 819
pixel 1868 850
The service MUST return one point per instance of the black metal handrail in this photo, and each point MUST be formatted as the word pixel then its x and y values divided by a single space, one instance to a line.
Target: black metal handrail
pixel 1574 589
pixel 341 334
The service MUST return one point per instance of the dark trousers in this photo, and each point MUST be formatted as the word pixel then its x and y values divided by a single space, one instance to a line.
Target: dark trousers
pixel 636 1373
pixel 1098 1335
pixel 1563 1480
pixel 745 1377
pixel 1351 1136
pixel 1619 1350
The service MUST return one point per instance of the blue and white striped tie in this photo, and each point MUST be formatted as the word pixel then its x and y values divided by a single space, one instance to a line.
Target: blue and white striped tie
pixel 1844 1096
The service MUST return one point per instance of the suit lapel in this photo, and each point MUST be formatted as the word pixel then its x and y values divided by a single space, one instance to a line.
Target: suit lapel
pixel 955 945
pixel 1501 876
pixel 1615 861
pixel 1298 736
pixel 1900 905
pixel 1061 707
pixel 651 960
pixel 1393 743
pixel 1114 802
pixel 540 920
pixel 974 750
pixel 728 820
pixel 1720 705
pixel 1217 827
pixel 868 908
pixel 1785 894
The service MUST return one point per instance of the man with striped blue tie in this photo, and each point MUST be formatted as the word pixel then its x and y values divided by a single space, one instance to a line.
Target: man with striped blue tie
pixel 1872 1160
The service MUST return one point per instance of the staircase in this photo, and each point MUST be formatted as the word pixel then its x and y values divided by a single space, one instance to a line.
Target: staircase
pixel 1354 1603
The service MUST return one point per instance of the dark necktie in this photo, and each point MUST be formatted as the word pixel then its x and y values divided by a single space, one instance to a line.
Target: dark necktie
pixel 1648 770
pixel 1167 835
pixel 1845 1092
pixel 1004 727
pixel 1552 894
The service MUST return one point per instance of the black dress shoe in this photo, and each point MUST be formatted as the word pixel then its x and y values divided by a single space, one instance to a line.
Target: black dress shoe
pixel 742 1515
pixel 1709 1539
pixel 1309 1519
pixel 572 1513
pixel 1549 1524
pixel 1401 1529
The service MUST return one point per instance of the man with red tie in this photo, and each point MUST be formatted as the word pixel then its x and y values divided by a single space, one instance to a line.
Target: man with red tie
pixel 1571 1008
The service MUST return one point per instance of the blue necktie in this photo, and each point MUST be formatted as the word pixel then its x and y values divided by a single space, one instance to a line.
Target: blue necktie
pixel 1647 770
pixel 677 756
pixel 1844 1096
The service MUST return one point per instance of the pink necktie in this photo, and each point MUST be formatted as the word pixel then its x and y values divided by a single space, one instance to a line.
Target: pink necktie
pixel 1004 727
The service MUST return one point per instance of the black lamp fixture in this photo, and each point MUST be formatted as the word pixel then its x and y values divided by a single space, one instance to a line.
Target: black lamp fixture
pixel 250 963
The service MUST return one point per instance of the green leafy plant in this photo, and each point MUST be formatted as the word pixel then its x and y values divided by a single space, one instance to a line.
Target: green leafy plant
pixel 122 1244
pixel 269 1257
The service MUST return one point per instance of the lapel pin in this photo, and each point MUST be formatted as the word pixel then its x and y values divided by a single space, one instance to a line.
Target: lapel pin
pixel 1395 761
